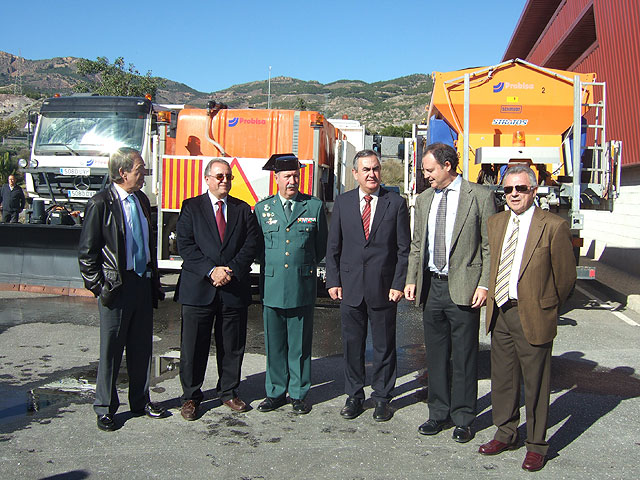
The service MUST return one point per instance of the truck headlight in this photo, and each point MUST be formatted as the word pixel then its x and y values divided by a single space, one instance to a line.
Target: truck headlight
pixel 22 163
pixel 33 163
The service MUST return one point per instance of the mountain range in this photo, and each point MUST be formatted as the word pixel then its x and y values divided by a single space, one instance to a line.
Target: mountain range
pixel 376 105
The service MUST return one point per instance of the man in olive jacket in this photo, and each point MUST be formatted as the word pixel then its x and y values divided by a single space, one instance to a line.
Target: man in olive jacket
pixel 294 226
pixel 118 263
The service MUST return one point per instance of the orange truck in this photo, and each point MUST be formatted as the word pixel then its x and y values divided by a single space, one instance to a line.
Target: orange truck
pixel 519 112
pixel 72 140
pixel 245 138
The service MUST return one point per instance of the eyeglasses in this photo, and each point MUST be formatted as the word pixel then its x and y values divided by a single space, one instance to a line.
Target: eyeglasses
pixel 519 188
pixel 221 176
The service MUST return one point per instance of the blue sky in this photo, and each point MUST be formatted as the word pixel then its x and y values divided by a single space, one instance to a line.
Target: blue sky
pixel 211 45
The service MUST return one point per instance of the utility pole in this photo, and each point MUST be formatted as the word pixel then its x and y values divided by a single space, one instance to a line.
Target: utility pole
pixel 269 92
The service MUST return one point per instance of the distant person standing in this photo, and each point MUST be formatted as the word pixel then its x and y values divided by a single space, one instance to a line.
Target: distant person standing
pixel 12 200
pixel 367 255
pixel 294 227
pixel 118 264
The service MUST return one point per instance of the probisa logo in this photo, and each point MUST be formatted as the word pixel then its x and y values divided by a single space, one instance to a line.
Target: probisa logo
pixel 249 121
pixel 498 87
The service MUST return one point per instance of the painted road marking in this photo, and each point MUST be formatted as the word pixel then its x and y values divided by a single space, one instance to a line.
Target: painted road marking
pixel 602 304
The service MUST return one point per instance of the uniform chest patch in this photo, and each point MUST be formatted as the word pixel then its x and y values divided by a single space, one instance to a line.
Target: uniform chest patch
pixel 306 220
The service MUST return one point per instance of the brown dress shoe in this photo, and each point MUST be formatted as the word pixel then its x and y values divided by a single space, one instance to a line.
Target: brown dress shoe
pixel 236 404
pixel 189 410
pixel 495 447
pixel 533 462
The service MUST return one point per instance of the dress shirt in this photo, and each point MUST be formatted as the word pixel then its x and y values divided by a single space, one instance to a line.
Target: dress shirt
pixel 452 208
pixel 214 203
pixel 285 200
pixel 374 203
pixel 523 231
pixel 128 225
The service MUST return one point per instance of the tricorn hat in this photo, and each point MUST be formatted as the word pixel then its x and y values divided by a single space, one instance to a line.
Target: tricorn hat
pixel 281 162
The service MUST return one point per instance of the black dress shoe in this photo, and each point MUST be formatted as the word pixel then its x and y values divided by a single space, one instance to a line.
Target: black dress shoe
pixel 151 410
pixel 382 412
pixel 352 408
pixel 106 422
pixel 462 434
pixel 269 404
pixel 431 427
pixel 300 406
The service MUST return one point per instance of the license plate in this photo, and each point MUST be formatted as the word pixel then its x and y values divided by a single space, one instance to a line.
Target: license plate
pixel 75 171
pixel 81 193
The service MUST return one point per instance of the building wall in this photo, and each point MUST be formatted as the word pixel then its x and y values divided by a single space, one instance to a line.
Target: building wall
pixel 603 36
pixel 614 237
pixel 614 56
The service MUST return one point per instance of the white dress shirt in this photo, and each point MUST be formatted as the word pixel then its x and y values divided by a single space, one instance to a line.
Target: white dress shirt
pixel 523 231
pixel 452 209
pixel 374 203
pixel 214 203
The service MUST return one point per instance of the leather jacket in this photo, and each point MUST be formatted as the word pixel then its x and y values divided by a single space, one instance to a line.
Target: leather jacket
pixel 102 252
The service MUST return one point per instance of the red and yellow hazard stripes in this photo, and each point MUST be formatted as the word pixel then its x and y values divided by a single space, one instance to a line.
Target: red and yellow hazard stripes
pixel 181 179
pixel 306 180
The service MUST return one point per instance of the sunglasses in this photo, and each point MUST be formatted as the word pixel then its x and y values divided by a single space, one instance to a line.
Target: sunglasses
pixel 221 176
pixel 519 188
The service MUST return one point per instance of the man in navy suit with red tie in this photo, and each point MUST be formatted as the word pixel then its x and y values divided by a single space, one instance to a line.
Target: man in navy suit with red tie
pixel 218 239
pixel 367 255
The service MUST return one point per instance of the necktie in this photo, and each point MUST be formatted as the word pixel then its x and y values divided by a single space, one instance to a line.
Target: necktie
pixel 139 254
pixel 366 215
pixel 222 223
pixel 504 269
pixel 440 240
pixel 287 209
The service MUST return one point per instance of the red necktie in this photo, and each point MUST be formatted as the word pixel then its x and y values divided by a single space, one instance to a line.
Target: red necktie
pixel 366 216
pixel 222 224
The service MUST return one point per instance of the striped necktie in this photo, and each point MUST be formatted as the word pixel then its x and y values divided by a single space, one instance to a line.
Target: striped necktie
pixel 366 216
pixel 504 269
pixel 440 237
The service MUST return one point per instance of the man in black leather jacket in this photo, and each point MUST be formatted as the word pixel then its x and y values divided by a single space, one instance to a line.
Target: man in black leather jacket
pixel 119 265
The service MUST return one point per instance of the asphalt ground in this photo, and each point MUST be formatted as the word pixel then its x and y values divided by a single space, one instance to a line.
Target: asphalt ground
pixel 48 358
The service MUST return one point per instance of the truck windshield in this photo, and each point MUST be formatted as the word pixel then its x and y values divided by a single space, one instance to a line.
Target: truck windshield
pixel 88 133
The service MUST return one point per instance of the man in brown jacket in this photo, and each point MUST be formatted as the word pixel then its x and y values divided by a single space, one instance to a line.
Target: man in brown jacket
pixel 533 270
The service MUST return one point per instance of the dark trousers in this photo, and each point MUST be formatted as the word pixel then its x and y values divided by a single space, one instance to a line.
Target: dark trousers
pixel 229 326
pixel 10 217
pixel 513 358
pixel 451 341
pixel 354 338
pixel 288 334
pixel 128 324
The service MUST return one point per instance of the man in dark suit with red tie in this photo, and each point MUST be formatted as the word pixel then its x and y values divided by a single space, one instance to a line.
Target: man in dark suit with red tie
pixel 367 254
pixel 218 239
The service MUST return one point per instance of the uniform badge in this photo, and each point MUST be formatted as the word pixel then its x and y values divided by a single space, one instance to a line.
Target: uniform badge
pixel 267 208
pixel 306 220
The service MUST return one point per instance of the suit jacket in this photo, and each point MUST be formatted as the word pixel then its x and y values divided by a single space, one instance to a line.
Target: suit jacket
pixel 292 250
pixel 102 253
pixel 547 273
pixel 368 269
pixel 469 252
pixel 201 250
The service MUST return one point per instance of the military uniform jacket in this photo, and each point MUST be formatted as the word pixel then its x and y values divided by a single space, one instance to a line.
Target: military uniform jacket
pixel 292 250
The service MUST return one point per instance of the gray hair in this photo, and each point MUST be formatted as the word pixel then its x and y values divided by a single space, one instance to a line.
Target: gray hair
pixel 207 169
pixel 516 169
pixel 361 154
pixel 123 158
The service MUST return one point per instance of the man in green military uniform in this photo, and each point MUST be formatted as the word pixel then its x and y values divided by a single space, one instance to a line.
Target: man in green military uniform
pixel 294 226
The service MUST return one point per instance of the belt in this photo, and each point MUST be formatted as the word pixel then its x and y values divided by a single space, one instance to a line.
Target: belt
pixel 509 304
pixel 439 276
